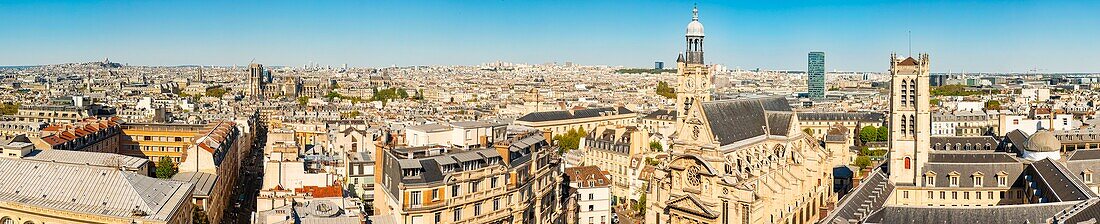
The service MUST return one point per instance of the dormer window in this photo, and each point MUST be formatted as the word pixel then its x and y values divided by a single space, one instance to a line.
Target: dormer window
pixel 979 179
pixel 953 179
pixel 930 179
pixel 1002 180
pixel 1087 176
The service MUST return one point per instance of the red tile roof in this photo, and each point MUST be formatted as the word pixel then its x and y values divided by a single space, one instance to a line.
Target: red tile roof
pixel 321 192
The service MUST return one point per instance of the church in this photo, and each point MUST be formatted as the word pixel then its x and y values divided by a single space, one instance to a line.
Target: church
pixel 1025 179
pixel 736 160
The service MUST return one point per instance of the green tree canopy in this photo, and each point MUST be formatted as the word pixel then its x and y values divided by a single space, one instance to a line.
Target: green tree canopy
pixel 9 108
pixel 664 90
pixel 570 140
pixel 655 146
pixel 868 134
pixel 302 101
pixel 992 105
pixel 953 90
pixel 166 168
pixel 216 92
pixel 862 162
pixel 883 133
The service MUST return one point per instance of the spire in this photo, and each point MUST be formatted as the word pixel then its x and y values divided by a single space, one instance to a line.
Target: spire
pixel 695 13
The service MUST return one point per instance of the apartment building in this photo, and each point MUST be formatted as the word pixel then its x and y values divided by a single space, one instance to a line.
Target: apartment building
pixel 515 181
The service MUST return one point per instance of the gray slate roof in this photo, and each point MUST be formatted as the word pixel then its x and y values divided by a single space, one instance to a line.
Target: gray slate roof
pixel 740 119
pixel 564 115
pixel 89 158
pixel 204 182
pixel 1007 214
pixel 91 190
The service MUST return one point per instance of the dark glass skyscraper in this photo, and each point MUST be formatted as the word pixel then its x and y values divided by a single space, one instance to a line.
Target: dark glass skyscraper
pixel 816 75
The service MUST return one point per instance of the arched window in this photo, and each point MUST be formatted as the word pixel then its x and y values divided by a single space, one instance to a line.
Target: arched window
pixel 907 163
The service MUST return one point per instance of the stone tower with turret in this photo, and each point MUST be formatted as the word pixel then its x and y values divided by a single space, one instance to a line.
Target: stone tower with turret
pixel 910 121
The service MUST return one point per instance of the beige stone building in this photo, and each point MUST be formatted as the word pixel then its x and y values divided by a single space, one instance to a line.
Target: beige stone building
pixel 517 181
pixel 560 122
pixel 736 161
pixel 1026 179
pixel 613 148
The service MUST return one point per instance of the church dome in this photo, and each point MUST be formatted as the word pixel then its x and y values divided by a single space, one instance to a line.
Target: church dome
pixel 1043 141
pixel 695 28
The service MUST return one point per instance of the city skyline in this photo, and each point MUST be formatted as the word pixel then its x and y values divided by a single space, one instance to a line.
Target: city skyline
pixel 966 36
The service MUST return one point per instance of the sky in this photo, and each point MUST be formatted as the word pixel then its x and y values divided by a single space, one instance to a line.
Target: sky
pixel 856 35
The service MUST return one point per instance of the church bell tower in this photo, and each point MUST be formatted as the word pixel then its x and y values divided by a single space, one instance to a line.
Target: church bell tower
pixel 693 77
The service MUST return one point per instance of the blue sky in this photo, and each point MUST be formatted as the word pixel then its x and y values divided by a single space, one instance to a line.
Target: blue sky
pixel 989 36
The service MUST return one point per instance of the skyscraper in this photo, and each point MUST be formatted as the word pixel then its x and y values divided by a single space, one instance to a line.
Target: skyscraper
pixel 658 65
pixel 815 69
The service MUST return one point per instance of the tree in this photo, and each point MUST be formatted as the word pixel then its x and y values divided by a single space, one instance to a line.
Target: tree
pixel 640 206
pixel 934 102
pixel 401 93
pixel 868 134
pixel 664 90
pixel 302 101
pixel 862 162
pixel 953 90
pixel 992 105
pixel 656 146
pixel 570 140
pixel 198 216
pixel 165 168
pixel 9 108
pixel 216 92
pixel 883 133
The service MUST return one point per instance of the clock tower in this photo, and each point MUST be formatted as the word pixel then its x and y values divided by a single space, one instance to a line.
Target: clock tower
pixel 693 77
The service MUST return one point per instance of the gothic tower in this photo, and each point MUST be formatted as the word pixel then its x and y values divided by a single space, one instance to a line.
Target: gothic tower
pixel 256 80
pixel 910 121
pixel 694 81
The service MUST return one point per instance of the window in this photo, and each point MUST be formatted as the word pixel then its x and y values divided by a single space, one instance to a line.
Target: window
pixel 473 186
pixel 458 214
pixel 493 182
pixel 454 190
pixel 1088 177
pixel 477 209
pixel 591 196
pixel 414 198
pixel 978 195
pixel 966 195
pixel 943 195
pixel 905 194
pixel 1002 180
pixel 954 195
pixel 435 194
pixel 438 217
pixel 1002 195
pixel 907 163
pixel 496 204
pixel 931 195
pixel 591 208
pixel 978 180
pixel 930 180
pixel 954 181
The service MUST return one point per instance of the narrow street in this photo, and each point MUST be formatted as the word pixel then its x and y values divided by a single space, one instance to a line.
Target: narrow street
pixel 243 200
